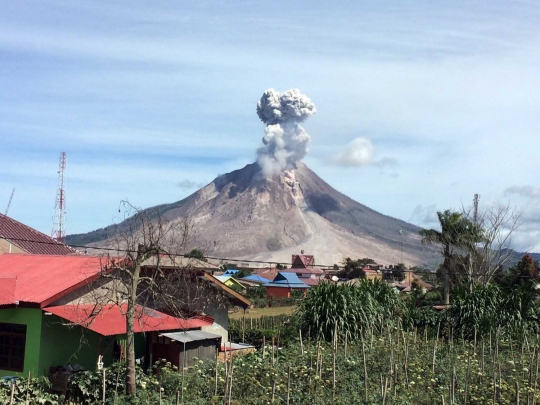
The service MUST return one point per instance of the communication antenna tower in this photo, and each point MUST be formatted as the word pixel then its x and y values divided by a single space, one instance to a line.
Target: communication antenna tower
pixel 9 203
pixel 475 212
pixel 59 230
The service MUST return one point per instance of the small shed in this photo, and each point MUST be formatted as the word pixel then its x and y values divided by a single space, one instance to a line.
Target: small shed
pixel 282 285
pixel 186 346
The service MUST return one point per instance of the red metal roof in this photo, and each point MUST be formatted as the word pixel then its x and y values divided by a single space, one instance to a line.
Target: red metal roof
pixel 31 240
pixel 110 319
pixel 41 279
pixel 7 290
pixel 302 261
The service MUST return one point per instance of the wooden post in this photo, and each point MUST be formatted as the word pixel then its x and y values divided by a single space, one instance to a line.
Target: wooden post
pixel 231 383
pixel 183 373
pixel 435 347
pixel 272 351
pixel 104 388
pixel 365 370
pixel 244 327
pixel 467 377
pixel 216 374
pixel 12 396
pixel 301 343
pixel 385 390
pixel 27 388
pixel 288 384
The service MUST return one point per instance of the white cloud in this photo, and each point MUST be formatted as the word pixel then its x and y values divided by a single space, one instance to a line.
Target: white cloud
pixel 359 152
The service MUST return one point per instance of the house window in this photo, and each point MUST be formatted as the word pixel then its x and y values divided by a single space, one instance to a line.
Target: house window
pixel 12 343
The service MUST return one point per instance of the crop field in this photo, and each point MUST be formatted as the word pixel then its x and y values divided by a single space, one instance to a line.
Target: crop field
pixel 348 345
pixel 395 367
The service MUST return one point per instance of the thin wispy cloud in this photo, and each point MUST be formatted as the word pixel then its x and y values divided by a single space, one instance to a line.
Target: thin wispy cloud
pixel 187 184
pixel 523 191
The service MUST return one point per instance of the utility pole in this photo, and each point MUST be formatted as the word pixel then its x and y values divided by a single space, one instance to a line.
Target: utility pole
pixel 9 203
pixel 475 212
pixel 59 231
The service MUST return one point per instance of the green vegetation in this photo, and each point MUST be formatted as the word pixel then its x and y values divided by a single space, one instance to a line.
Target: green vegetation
pixel 353 268
pixel 376 346
pixel 196 254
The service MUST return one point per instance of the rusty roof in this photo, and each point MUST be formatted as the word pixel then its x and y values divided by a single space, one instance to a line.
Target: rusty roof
pixel 30 240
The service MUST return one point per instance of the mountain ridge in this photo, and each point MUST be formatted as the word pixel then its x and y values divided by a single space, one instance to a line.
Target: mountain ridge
pixel 244 215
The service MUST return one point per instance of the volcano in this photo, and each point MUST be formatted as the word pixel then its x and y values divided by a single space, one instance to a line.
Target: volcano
pixel 245 215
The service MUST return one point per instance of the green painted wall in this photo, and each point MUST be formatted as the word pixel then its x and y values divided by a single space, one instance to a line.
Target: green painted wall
pixel 50 343
pixel 61 344
pixel 32 319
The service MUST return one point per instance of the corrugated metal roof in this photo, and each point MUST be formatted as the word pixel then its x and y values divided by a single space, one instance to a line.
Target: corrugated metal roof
pixel 255 278
pixel 179 262
pixel 110 320
pixel 227 347
pixel 191 336
pixel 40 278
pixel 311 270
pixel 7 290
pixel 31 240
pixel 286 280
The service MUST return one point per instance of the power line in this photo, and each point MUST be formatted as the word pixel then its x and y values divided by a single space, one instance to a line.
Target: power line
pixel 187 255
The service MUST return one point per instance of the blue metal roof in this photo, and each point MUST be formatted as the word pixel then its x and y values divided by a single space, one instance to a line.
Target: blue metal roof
pixel 286 280
pixel 255 278
pixel 230 272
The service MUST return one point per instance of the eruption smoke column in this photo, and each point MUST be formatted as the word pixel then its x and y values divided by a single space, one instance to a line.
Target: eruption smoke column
pixel 285 141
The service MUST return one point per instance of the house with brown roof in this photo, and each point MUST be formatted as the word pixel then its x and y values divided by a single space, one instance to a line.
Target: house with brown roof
pixel 16 237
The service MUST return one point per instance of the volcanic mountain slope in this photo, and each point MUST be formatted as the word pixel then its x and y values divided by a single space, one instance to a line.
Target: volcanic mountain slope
pixel 245 215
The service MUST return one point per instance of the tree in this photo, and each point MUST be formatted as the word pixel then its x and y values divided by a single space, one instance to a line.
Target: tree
pixel 487 245
pixel 525 271
pixel 280 266
pixel 196 254
pixel 145 272
pixel 452 237
pixel 398 272
pixel 475 245
pixel 352 269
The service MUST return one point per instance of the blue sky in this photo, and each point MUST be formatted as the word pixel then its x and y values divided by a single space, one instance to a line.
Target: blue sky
pixel 151 100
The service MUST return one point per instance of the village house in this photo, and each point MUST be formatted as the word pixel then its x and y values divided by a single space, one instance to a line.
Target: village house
pixel 283 285
pixel 49 317
pixel 302 265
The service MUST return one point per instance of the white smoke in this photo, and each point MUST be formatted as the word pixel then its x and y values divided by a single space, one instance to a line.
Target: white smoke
pixel 285 141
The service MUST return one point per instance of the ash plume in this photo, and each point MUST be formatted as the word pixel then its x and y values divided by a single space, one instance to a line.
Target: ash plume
pixel 285 141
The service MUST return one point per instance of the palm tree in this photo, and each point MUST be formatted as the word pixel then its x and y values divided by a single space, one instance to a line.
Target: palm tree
pixel 456 231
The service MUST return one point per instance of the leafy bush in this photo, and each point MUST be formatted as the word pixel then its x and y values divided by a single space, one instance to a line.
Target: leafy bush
pixel 87 387
pixel 36 390
pixel 350 308
pixel 488 307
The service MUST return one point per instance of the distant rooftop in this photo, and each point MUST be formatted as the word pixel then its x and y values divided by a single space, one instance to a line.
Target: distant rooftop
pixel 29 240
pixel 286 280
